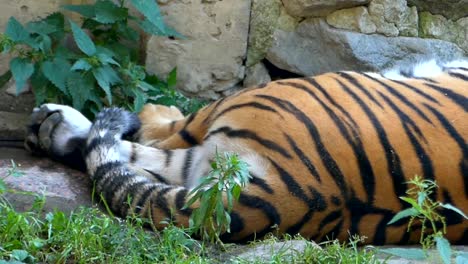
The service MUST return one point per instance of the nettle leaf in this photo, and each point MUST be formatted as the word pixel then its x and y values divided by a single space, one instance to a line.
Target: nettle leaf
pixel 106 59
pixel 15 31
pixel 83 41
pixel 79 87
pixel 21 69
pixel 443 247
pixel 45 43
pixel 150 28
pixel 150 10
pixel 453 208
pixel 108 12
pixel 140 100
pixel 403 214
pixel 408 253
pixel 39 83
pixel 106 77
pixel 81 64
pixel 172 78
pixel 84 10
pixel 57 72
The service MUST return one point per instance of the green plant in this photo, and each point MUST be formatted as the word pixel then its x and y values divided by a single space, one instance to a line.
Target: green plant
pixel 91 66
pixel 425 210
pixel 13 171
pixel 228 176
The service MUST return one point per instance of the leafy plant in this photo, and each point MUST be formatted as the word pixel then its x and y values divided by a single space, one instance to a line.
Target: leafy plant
pixel 228 176
pixel 425 210
pixel 13 171
pixel 92 65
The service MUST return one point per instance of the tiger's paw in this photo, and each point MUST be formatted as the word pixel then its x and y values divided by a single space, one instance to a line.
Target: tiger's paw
pixel 58 131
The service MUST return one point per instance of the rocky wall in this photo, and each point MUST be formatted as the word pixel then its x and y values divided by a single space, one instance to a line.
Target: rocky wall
pixel 230 44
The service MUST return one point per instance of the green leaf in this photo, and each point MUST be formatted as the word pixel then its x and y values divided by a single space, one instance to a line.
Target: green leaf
pixel 413 203
pixel 106 77
pixel 21 69
pixel 139 102
pixel 79 87
pixel 150 28
pixel 443 246
pixel 39 83
pixel 108 12
pixel 57 72
pixel 150 10
pixel 4 78
pixel 19 254
pixel 16 32
pixel 84 10
pixel 45 43
pixel 3 186
pixel 106 59
pixel 462 258
pixel 172 78
pixel 453 208
pixel 81 64
pixel 83 41
pixel 403 214
pixel 408 253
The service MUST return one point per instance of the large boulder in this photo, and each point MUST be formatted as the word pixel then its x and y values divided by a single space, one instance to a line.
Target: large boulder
pixel 318 8
pixel 210 58
pixel 315 47
pixel 437 26
pixel 451 9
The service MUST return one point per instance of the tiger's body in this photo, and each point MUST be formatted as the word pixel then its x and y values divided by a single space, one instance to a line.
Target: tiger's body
pixel 329 155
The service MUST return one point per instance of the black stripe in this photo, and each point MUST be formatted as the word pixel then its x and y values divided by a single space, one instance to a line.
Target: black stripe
pixel 452 131
pixel 125 200
pixel 108 141
pixel 304 159
pixel 190 119
pixel 327 159
pixel 236 226
pixel 329 218
pixel 317 203
pixel 261 183
pixel 103 169
pixel 458 99
pixel 187 164
pixel 180 202
pixel 187 137
pixel 172 125
pixel 267 208
pixel 416 90
pixel 380 235
pixel 157 176
pixel 144 197
pixel 365 167
pixel 398 95
pixel 161 202
pixel 215 106
pixel 248 134
pixel 359 86
pixel 169 153
pixel 393 160
pixel 458 76
pixel 134 154
pixel 254 105
pixel 333 234
pixel 409 126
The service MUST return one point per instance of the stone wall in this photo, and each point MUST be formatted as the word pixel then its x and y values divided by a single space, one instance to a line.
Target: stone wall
pixel 230 44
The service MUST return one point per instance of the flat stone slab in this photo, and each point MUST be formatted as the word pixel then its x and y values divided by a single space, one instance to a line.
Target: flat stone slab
pixel 65 189
pixel 13 126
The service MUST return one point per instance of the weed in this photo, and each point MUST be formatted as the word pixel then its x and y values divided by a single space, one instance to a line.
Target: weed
pixel 425 210
pixel 228 176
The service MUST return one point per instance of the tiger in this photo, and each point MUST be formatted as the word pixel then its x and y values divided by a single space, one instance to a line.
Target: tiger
pixel 329 156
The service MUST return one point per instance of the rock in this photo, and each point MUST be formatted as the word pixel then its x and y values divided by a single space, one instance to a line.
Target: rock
pixel 386 13
pixel 255 75
pixel 262 252
pixel 437 26
pixel 210 58
pixel 408 25
pixel 355 19
pixel 315 47
pixel 451 9
pixel 64 189
pixel 13 126
pixel 318 8
pixel 263 22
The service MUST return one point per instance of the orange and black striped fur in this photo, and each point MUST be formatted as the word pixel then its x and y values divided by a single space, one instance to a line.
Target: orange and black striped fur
pixel 329 155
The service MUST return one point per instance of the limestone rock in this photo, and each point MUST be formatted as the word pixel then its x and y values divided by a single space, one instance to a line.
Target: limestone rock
pixel 356 19
pixel 256 74
pixel 408 25
pixel 315 48
pixel 437 26
pixel 263 22
pixel 13 126
pixel 318 8
pixel 452 9
pixel 210 58
pixel 386 13
pixel 64 189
